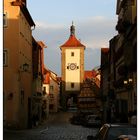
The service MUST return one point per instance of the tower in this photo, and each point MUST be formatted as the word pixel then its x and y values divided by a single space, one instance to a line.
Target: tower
pixel 72 67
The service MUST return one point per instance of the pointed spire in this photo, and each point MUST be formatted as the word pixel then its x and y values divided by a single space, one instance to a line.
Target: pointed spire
pixel 72 29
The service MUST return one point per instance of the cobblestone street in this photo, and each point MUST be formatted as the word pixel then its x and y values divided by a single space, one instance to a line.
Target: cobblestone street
pixel 56 128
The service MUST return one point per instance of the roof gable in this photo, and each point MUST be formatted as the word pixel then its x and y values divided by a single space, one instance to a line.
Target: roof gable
pixel 73 42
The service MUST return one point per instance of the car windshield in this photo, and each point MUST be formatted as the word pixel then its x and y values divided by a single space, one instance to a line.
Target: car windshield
pixel 115 132
pixel 91 117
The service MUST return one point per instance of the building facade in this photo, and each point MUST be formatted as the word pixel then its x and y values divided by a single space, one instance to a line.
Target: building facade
pixel 89 97
pixel 17 63
pixel 126 57
pixel 37 100
pixel 104 84
pixel 51 89
pixel 72 67
pixel 46 91
pixel 53 93
pixel 121 70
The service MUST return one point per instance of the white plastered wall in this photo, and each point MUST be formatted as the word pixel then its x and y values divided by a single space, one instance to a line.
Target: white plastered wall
pixel 72 76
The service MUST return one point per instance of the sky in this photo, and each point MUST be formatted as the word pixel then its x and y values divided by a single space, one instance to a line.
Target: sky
pixel 94 21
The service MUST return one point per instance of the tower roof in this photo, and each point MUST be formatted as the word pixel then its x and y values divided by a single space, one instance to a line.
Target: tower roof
pixel 72 41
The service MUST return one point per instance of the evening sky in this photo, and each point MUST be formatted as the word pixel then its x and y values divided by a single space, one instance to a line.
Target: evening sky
pixel 94 20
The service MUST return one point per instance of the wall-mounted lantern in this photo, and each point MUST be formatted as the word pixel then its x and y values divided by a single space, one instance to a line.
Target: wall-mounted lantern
pixel 25 67
pixel 128 82
pixel 129 87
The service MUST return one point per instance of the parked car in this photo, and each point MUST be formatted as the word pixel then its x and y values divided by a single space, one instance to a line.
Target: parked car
pixel 72 109
pixel 126 137
pixel 92 120
pixel 113 131
pixel 77 119
pixel 74 120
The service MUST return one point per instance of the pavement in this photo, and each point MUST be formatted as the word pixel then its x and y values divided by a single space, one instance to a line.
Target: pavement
pixel 56 127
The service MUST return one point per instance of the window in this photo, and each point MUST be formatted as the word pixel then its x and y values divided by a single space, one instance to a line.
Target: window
pixel 44 89
pixel 51 96
pixel 5 58
pixel 51 87
pixel 5 19
pixel 51 106
pixel 72 85
pixel 132 2
pixel 22 96
pixel 72 53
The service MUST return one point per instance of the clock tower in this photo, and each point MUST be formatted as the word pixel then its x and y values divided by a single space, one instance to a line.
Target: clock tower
pixel 72 68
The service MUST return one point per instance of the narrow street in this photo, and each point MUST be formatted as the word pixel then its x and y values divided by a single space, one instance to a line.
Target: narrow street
pixel 56 128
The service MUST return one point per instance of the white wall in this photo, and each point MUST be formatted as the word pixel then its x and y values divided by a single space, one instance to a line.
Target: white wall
pixel 72 76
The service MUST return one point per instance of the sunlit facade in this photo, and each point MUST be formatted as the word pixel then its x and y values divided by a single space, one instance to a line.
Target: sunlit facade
pixel 72 67
pixel 17 63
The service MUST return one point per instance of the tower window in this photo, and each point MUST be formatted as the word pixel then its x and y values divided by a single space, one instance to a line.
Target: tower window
pixel 72 53
pixel 72 85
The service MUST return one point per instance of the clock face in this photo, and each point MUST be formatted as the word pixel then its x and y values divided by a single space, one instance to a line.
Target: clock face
pixel 72 66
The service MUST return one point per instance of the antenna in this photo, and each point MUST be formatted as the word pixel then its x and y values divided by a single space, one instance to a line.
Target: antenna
pixel 72 22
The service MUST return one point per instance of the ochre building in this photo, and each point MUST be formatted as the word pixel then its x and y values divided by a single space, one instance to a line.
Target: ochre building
pixel 17 54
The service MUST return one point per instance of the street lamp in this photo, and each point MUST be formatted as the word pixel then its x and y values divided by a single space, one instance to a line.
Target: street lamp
pixel 125 82
pixel 25 67
pixel 130 80
pixel 128 84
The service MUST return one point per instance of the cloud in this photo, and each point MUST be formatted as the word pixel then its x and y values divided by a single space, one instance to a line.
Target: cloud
pixel 48 26
pixel 92 58
pixel 94 33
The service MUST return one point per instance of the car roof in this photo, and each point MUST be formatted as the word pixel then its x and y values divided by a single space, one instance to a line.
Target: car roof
pixel 118 125
pixel 91 115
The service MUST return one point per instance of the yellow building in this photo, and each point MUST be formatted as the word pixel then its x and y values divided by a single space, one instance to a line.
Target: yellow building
pixel 72 67
pixel 37 101
pixel 17 63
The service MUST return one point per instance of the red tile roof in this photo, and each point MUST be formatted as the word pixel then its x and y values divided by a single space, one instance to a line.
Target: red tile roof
pixel 89 74
pixel 105 50
pixel 41 44
pixel 72 42
pixel 46 76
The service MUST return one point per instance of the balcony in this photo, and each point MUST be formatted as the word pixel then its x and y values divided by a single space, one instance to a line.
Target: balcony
pixel 122 25
pixel 122 70
pixel 119 83
pixel 119 53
